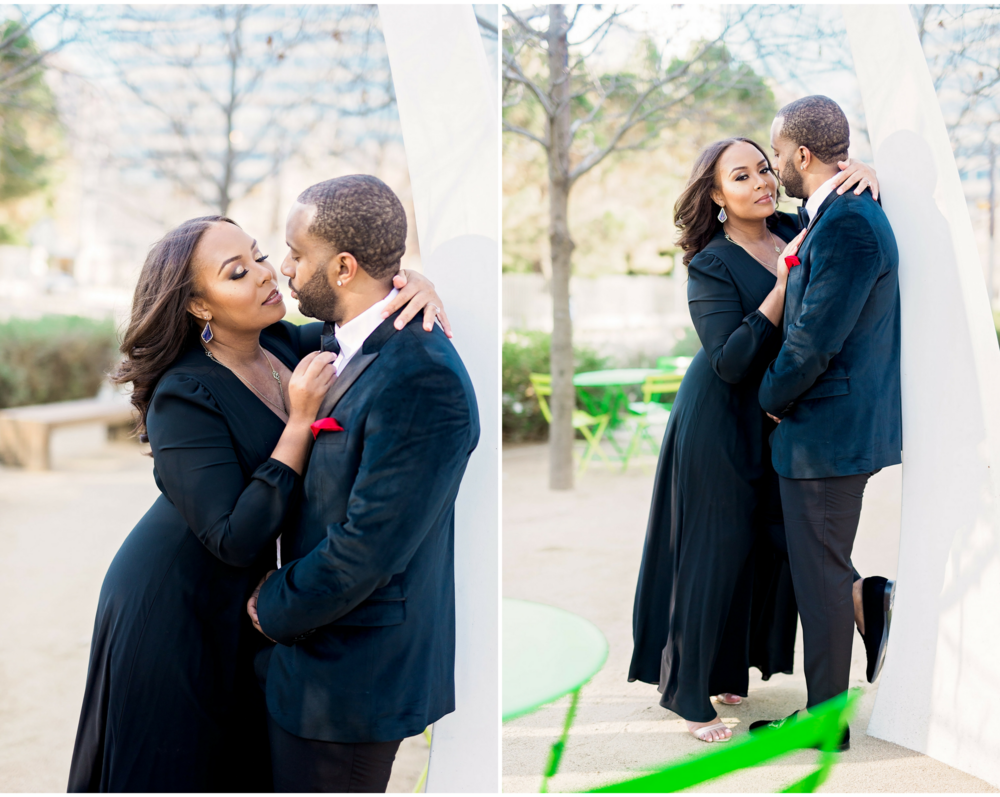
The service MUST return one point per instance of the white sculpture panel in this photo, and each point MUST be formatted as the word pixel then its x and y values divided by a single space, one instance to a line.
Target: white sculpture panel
pixel 938 693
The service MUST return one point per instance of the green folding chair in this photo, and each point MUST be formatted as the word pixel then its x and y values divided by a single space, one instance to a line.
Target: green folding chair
pixel 821 729
pixel 592 427
pixel 647 413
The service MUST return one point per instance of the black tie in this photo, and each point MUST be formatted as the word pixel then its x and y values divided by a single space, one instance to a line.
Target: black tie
pixel 328 341
pixel 803 217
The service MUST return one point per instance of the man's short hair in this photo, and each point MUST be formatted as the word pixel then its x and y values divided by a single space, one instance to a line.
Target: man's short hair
pixel 818 124
pixel 361 215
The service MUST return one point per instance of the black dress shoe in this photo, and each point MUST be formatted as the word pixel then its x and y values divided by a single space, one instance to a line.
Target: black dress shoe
pixel 759 725
pixel 877 595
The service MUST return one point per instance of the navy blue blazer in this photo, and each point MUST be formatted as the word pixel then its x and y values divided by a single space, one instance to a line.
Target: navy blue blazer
pixel 835 381
pixel 363 607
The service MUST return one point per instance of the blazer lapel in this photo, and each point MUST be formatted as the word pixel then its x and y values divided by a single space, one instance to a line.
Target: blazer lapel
pixel 821 210
pixel 797 280
pixel 359 362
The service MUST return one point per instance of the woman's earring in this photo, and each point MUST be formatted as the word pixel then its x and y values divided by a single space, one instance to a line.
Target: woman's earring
pixel 206 333
pixel 722 215
pixel 339 283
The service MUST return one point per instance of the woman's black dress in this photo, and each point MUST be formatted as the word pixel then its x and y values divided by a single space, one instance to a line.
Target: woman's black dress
pixel 714 595
pixel 171 703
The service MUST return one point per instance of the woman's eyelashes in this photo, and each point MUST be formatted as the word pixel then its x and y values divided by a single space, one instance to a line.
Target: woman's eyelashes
pixel 238 273
pixel 745 176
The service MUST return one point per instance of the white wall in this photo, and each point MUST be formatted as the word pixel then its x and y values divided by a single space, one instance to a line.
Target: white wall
pixel 448 109
pixel 938 691
pixel 613 314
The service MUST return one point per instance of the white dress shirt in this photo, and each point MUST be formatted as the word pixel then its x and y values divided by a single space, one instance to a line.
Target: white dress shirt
pixel 352 335
pixel 819 196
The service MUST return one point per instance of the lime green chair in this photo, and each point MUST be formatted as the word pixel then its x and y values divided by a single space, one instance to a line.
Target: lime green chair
pixel 648 413
pixel 660 385
pixel 821 729
pixel 592 427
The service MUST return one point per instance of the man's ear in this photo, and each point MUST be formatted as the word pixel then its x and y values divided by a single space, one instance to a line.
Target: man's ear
pixel 805 157
pixel 343 268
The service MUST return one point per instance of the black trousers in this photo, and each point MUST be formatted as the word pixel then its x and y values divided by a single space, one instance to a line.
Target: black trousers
pixel 821 522
pixel 310 765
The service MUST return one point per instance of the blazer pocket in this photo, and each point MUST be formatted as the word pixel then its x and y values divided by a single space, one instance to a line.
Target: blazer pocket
pixel 331 441
pixel 825 387
pixel 375 613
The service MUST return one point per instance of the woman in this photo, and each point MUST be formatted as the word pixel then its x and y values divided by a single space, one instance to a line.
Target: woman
pixel 705 608
pixel 225 391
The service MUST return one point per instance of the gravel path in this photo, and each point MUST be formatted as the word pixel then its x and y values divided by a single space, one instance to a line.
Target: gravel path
pixel 580 550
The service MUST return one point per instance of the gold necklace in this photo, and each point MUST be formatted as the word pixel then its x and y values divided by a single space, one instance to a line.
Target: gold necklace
pixel 777 250
pixel 274 373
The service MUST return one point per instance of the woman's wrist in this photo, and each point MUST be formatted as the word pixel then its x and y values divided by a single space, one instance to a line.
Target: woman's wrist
pixel 298 421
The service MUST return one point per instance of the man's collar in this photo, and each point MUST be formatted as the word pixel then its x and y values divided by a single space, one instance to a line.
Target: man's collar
pixel 819 196
pixel 353 334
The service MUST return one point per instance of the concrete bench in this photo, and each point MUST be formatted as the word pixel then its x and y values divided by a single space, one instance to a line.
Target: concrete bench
pixel 25 432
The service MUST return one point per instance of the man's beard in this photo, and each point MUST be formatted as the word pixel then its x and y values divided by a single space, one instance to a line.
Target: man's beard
pixel 318 300
pixel 793 182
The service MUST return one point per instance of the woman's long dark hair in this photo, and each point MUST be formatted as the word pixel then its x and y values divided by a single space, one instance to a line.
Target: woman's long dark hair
pixel 696 215
pixel 160 326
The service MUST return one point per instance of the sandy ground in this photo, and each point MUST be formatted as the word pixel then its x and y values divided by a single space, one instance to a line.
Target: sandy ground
pixel 580 550
pixel 58 533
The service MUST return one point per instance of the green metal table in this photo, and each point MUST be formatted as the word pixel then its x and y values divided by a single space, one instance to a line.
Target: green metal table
pixel 547 653
pixel 613 381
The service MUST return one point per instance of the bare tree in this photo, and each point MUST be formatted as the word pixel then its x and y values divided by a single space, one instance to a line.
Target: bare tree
pixel 225 95
pixel 796 45
pixel 962 47
pixel 559 92
pixel 22 60
pixel 30 133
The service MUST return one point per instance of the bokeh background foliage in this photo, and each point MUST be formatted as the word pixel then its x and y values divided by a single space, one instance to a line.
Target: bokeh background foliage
pixel 30 134
pixel 54 358
pixel 613 234
pixel 526 353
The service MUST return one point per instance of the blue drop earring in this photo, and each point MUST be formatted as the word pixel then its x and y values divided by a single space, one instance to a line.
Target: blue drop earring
pixel 206 334
pixel 722 215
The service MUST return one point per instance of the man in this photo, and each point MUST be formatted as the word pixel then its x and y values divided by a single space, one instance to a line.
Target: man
pixel 835 391
pixel 363 606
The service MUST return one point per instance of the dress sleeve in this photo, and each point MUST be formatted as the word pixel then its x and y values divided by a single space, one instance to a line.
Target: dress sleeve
pixel 201 475
pixel 730 338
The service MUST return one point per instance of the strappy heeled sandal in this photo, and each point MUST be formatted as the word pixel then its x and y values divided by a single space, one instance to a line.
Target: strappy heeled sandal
pixel 700 732
pixel 729 699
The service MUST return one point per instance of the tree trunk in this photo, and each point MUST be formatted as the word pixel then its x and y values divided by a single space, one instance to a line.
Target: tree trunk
pixel 563 399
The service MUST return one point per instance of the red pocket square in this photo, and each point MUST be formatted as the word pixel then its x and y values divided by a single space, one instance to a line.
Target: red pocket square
pixel 325 425
pixel 792 260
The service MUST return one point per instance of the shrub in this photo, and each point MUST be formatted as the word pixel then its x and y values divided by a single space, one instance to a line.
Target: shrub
pixel 54 358
pixel 525 353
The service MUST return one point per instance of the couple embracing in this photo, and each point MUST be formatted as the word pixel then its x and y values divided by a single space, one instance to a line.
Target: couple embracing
pixel 284 614
pixel 791 405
